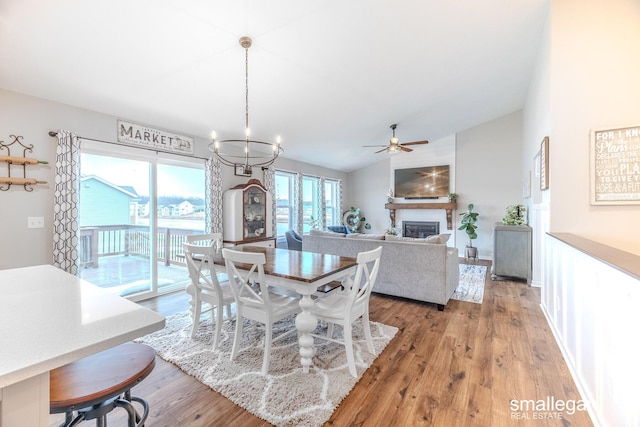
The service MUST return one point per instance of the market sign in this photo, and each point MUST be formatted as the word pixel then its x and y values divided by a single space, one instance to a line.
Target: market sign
pixel 153 139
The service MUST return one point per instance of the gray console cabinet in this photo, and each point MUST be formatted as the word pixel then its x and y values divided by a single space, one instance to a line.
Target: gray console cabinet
pixel 511 252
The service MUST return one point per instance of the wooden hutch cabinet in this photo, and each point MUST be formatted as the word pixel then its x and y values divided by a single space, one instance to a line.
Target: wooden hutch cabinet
pixel 247 215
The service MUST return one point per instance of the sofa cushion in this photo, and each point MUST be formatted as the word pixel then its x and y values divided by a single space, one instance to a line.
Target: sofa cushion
pixel 316 232
pixel 436 238
pixel 410 239
pixel 365 236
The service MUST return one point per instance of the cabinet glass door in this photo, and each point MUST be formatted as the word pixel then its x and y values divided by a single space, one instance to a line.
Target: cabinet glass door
pixel 254 213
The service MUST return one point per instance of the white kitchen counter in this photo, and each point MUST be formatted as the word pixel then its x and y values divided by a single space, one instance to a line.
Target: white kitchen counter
pixel 49 318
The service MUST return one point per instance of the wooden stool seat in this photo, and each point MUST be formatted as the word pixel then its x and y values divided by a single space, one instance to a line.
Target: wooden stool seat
pixel 93 386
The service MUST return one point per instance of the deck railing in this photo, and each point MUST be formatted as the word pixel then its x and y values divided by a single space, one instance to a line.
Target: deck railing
pixel 130 240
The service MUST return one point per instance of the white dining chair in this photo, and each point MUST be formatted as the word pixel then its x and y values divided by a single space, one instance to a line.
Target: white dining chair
pixel 255 300
pixel 345 307
pixel 208 239
pixel 208 287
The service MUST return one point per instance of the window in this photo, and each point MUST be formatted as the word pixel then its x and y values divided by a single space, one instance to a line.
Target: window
pixel 285 202
pixel 332 202
pixel 305 201
pixel 135 211
pixel 311 203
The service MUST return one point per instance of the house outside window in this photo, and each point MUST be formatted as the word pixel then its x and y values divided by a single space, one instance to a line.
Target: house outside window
pixel 285 201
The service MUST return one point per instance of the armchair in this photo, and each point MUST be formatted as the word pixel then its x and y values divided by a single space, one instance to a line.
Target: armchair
pixel 294 241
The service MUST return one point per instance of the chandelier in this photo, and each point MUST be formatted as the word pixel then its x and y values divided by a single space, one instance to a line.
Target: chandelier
pixel 244 154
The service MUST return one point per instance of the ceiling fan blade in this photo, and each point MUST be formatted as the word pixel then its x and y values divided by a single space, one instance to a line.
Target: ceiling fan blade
pixel 408 150
pixel 380 151
pixel 415 142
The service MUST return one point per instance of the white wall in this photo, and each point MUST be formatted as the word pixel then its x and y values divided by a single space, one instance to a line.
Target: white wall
pixel 594 84
pixel 536 124
pixel 33 118
pixel 368 188
pixel 489 175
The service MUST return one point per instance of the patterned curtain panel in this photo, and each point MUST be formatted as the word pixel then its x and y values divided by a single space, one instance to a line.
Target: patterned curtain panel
pixel 322 202
pixel 65 210
pixel 213 196
pixel 270 184
pixel 297 200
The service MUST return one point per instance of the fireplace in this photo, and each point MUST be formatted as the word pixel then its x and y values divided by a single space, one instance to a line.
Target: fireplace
pixel 420 229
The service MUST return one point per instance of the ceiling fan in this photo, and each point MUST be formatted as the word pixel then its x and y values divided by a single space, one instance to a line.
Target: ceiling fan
pixel 394 146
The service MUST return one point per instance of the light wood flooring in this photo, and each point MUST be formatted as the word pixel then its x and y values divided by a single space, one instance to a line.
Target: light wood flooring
pixel 459 367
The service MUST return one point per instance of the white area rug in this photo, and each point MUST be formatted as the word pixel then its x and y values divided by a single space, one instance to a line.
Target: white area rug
pixel 471 285
pixel 285 396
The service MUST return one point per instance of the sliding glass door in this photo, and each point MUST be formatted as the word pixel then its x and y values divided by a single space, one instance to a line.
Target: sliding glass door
pixel 135 211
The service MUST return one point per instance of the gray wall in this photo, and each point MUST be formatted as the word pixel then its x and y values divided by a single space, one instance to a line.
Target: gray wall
pixel 33 118
pixel 487 173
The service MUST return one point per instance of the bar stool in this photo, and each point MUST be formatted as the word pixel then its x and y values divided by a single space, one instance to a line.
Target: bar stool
pixel 92 387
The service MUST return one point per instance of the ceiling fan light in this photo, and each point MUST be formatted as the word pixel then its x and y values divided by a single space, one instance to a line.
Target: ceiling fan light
pixel 394 140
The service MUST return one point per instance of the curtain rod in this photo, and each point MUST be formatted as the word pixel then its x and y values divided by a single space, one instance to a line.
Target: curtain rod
pixel 54 134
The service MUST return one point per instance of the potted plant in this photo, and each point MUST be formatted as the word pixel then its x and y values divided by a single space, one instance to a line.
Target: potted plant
pixel 515 215
pixel 468 224
pixel 453 197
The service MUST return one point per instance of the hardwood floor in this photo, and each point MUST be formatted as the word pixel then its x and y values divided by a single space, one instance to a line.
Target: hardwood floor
pixel 459 367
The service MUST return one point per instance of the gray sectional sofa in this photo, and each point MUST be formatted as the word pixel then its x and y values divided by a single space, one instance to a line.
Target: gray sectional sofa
pixel 409 268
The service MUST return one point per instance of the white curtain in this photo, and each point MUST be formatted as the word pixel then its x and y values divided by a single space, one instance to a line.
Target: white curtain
pixel 213 196
pixel 65 214
pixel 269 176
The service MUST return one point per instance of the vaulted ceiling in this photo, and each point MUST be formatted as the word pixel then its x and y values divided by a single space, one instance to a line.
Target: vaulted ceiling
pixel 328 76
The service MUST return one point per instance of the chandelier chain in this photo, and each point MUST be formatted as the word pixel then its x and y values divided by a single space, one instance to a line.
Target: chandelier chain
pixel 224 149
pixel 246 88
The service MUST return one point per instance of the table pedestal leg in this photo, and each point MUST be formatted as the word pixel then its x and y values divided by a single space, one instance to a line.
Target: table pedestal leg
pixel 306 322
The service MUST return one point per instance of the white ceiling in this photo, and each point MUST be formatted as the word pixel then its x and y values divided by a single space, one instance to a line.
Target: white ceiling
pixel 327 75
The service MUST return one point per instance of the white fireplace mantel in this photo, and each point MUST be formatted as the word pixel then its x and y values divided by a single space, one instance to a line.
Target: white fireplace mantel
pixel 449 207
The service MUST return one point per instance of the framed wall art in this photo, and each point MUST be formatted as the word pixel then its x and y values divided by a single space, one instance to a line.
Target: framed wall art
pixel 615 166
pixel 544 164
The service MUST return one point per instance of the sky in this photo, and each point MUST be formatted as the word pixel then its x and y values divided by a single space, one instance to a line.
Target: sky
pixel 172 180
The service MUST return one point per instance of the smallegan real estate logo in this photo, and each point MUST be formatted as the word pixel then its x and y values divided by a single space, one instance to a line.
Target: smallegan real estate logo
pixel 544 409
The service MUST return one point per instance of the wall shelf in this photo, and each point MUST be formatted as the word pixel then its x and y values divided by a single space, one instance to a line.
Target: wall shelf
pixel 449 207
pixel 21 161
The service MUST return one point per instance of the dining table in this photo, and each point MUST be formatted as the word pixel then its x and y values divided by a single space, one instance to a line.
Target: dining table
pixel 303 272
pixel 49 318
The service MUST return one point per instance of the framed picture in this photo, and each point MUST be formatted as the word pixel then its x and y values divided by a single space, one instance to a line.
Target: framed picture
pixel 240 170
pixel 544 164
pixel 536 165
pixel 614 167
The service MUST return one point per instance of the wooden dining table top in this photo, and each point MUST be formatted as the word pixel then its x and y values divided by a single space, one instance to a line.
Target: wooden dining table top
pixel 306 267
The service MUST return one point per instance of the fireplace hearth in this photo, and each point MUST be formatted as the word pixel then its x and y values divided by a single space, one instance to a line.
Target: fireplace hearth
pixel 420 229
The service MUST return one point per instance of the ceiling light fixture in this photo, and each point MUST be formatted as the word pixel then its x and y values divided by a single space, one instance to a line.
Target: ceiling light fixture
pixel 231 152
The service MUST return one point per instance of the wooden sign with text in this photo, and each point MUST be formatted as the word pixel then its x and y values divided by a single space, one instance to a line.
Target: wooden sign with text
pixel 154 139
pixel 615 166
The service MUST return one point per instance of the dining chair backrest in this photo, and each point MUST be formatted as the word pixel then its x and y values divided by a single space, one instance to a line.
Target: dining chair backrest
pixel 199 261
pixel 364 278
pixel 248 285
pixel 209 239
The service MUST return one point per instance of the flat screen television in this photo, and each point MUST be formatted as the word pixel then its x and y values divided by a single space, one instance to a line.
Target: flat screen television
pixel 429 182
